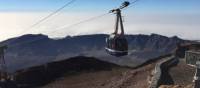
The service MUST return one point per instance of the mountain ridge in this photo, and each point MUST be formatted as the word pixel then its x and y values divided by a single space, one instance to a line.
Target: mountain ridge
pixel 44 50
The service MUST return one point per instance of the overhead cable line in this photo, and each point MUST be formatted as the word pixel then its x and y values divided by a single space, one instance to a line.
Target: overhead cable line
pixel 48 16
pixel 133 3
pixel 75 24
pixel 80 22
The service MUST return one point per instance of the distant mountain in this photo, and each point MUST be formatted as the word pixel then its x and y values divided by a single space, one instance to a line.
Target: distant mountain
pixel 30 50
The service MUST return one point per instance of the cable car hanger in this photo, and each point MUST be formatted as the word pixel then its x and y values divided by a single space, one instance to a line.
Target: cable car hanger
pixel 119 17
pixel 117 44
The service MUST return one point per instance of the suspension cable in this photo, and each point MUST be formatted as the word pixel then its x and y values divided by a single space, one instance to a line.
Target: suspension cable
pixel 48 16
pixel 133 3
pixel 75 24
pixel 80 22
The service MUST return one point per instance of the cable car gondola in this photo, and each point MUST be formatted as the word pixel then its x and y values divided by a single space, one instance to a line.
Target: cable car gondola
pixel 116 43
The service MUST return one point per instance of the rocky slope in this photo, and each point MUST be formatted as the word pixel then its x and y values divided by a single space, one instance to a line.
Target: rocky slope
pixel 44 74
pixel 116 78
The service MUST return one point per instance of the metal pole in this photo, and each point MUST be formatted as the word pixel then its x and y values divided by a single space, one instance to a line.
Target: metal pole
pixel 119 17
pixel 117 22
pixel 121 23
pixel 197 75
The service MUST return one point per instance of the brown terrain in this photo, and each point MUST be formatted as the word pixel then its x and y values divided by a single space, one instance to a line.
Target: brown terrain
pixel 115 78
pixel 180 76
pixel 89 72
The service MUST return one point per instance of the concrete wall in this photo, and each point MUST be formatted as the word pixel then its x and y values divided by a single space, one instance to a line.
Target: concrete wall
pixel 156 79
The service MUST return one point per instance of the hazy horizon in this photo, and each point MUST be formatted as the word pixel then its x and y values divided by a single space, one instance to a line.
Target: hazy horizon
pixel 169 18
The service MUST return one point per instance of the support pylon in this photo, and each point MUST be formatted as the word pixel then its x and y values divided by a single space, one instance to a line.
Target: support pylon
pixel 197 76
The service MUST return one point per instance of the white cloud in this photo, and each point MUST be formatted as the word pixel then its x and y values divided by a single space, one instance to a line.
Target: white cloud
pixel 183 25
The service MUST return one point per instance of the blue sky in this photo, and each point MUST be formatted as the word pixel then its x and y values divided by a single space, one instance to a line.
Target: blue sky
pixel 166 17
pixel 93 5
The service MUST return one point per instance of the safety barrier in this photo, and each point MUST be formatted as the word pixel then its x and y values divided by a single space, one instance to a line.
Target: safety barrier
pixel 157 73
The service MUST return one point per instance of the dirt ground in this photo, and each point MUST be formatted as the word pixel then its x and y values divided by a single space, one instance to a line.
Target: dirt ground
pixel 182 74
pixel 115 78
